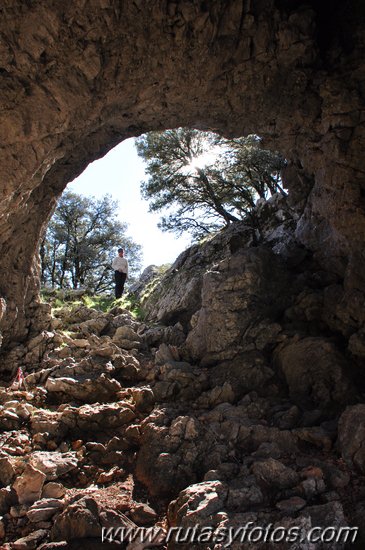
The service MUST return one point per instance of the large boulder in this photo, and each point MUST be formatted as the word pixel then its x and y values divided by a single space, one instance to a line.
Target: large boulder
pixel 238 293
pixel 316 372
pixel 176 295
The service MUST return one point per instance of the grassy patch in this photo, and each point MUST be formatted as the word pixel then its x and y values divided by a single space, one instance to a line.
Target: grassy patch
pixel 101 302
pixel 133 305
pixel 59 299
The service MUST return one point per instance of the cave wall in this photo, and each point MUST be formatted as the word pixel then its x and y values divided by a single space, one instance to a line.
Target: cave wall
pixel 79 77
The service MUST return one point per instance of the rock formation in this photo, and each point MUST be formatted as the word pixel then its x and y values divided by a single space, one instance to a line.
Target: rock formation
pixel 77 80
pixel 248 411
pixel 245 402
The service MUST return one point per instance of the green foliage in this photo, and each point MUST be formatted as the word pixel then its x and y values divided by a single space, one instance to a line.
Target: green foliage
pixel 101 302
pixel 59 299
pixel 201 194
pixel 80 243
pixel 133 304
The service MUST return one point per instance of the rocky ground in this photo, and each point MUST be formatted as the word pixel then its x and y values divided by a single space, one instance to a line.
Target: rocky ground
pixel 249 410
pixel 117 429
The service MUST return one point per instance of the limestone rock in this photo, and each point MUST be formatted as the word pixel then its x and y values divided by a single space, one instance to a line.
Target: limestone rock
pixel 29 485
pixel 7 470
pixel 275 474
pixel 241 291
pixel 89 390
pixel 44 509
pixel 53 490
pixel 315 372
pixel 159 465
pixel 91 326
pixel 351 436
pixel 125 337
pixel 244 373
pixel 172 335
pixel 53 465
pixel 327 515
pixel 79 520
pixel 244 494
pixel 291 505
pixel 31 541
pixel 142 514
pixel 147 275
pixel 104 417
pixel 197 502
pixel 6 500
pixel 143 398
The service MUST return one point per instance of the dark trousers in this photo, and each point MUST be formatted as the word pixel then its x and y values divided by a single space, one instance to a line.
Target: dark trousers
pixel 119 283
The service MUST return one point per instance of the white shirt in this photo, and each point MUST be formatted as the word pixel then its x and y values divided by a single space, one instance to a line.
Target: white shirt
pixel 120 264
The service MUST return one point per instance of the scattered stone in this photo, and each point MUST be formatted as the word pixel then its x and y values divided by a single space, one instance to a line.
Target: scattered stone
pixel 143 398
pixel 315 435
pixel 102 417
pixel 113 474
pixel 244 494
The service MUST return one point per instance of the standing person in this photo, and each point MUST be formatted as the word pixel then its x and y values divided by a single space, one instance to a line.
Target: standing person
pixel 120 266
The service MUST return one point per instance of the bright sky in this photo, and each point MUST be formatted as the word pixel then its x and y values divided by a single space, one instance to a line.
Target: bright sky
pixel 119 174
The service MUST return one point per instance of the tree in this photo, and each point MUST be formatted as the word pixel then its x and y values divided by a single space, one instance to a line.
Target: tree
pixel 204 181
pixel 80 241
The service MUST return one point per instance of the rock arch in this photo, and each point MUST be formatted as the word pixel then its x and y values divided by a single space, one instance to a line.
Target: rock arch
pixel 79 77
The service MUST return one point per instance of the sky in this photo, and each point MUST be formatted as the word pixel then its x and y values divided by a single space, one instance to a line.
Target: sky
pixel 119 174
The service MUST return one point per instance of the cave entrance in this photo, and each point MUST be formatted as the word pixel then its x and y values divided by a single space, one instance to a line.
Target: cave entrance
pixel 199 182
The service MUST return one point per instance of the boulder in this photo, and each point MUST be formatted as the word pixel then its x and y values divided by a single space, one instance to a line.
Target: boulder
pixel 238 293
pixel 316 372
pixel 79 520
pixel 351 436
pixel 29 485
pixel 53 465
pixel 103 417
pixel 126 338
pixel 197 503
pixel 44 509
pixel 31 541
pixel 275 474
pixel 142 514
pixel 100 388
pixel 7 470
pixel 53 490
